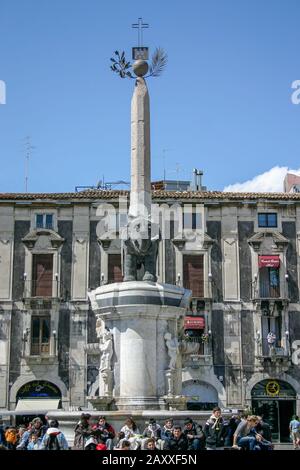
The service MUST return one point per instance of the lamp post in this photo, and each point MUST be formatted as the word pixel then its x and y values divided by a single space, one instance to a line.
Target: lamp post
pixel 244 391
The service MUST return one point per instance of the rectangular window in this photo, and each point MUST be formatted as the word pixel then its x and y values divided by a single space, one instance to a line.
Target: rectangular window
pixel 271 325
pixel 193 274
pixel 192 220
pixel 49 221
pixel 44 221
pixel 40 335
pixel 269 282
pixel 42 275
pixel 267 219
pixel 39 220
pixel 114 269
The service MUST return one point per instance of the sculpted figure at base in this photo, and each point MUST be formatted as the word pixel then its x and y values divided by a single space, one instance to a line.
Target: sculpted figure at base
pixel 106 349
pixel 173 349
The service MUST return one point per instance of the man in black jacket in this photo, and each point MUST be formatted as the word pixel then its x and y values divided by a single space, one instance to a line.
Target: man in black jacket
pixel 214 430
pixel 194 434
pixel 178 442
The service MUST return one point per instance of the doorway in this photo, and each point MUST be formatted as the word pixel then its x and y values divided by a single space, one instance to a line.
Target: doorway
pixel 275 401
pixel 277 413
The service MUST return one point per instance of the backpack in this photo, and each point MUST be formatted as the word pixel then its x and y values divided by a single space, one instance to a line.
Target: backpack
pixel 52 443
pixel 11 436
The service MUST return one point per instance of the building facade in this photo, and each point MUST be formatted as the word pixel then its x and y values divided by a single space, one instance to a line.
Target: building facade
pixel 241 336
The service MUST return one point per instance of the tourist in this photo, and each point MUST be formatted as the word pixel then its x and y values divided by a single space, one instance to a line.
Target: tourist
pixel 294 428
pixel 132 433
pixel 150 444
pixel 215 430
pixel 178 441
pixel 104 432
pixel 38 427
pixel 120 438
pixel 233 423
pixel 166 433
pixel 125 445
pixel 34 442
pixel 82 431
pixel 194 434
pixel 54 439
pixel 153 430
pixel 11 437
pixel 24 437
pixel 245 435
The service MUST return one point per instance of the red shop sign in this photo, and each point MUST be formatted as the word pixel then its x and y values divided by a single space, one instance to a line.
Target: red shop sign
pixel 194 323
pixel 268 261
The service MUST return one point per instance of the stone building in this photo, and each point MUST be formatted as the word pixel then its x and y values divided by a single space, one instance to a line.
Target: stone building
pixel 241 336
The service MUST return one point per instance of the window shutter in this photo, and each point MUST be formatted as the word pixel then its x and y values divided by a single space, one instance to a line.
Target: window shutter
pixel 114 269
pixel 193 274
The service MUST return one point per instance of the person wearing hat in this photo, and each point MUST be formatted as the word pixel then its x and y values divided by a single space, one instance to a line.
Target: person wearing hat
pixel 194 434
pixel 153 431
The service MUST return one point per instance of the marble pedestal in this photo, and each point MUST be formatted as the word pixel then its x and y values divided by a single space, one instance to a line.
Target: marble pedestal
pixel 138 314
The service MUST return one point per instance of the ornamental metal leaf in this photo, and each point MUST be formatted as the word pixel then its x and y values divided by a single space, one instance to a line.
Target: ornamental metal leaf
pixel 158 63
pixel 120 65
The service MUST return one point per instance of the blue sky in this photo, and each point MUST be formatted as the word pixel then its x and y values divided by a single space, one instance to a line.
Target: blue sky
pixel 223 104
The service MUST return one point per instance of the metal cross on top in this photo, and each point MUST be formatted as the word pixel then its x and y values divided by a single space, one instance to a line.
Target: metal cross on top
pixel 140 26
pixel 140 52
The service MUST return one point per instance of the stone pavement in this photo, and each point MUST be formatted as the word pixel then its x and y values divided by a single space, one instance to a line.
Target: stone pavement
pixel 285 446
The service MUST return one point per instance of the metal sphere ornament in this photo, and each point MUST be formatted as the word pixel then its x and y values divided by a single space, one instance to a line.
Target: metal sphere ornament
pixel 140 68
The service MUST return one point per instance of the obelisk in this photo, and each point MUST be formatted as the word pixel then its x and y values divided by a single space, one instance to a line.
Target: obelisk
pixel 140 195
pixel 141 243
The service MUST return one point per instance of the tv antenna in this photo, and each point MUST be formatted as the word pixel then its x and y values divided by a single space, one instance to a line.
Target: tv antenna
pixel 28 152
pixel 179 169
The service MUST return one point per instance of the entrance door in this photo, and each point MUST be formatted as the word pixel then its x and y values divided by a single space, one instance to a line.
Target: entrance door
pixel 286 411
pixel 268 409
pixel 277 413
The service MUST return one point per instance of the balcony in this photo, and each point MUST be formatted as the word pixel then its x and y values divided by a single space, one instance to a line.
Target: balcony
pixel 280 359
pixel 272 307
pixel 41 295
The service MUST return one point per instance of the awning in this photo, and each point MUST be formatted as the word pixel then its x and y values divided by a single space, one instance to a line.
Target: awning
pixel 268 261
pixel 42 404
pixel 194 323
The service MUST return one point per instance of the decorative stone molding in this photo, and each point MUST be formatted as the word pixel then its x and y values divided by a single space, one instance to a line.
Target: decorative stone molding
pixel 100 403
pixel 104 243
pixel 279 240
pixel 176 403
pixel 181 241
pixel 81 241
pixel 5 241
pixel 31 238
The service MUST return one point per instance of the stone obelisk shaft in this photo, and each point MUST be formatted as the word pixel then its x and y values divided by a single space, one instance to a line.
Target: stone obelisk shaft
pixel 140 195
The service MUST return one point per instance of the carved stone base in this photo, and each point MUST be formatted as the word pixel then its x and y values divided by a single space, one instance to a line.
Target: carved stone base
pixel 140 403
pixel 100 403
pixel 176 403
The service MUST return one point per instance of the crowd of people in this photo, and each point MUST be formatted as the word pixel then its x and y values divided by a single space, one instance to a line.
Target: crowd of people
pixel 246 432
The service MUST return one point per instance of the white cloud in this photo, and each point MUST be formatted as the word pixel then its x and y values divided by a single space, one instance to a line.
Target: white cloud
pixel 269 182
